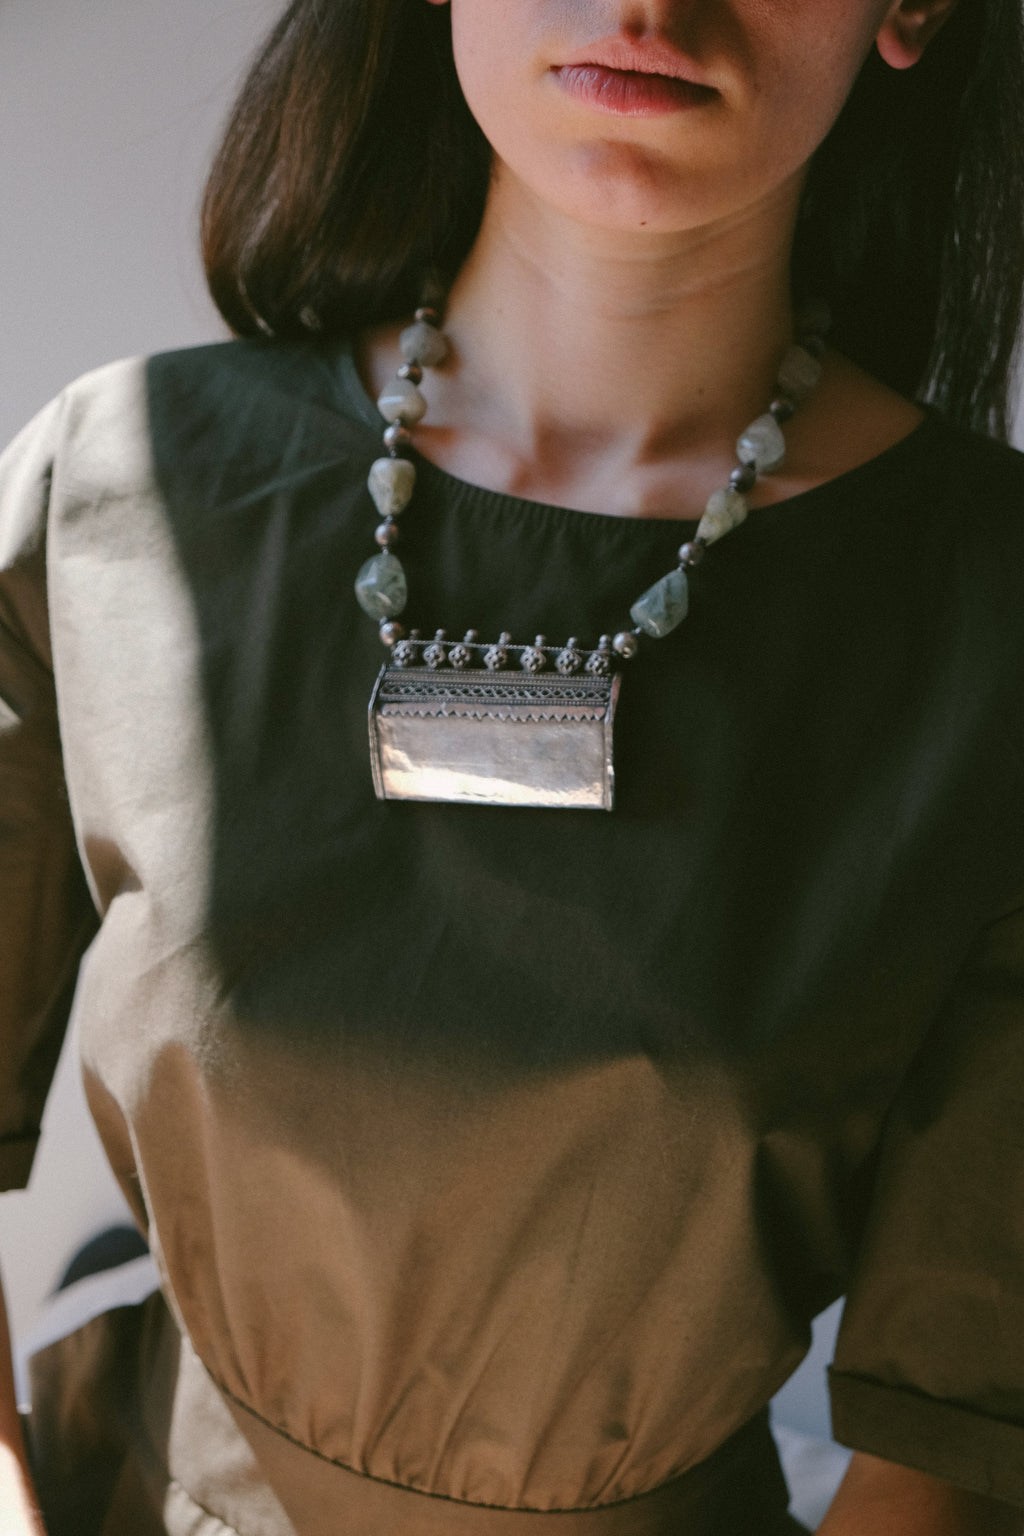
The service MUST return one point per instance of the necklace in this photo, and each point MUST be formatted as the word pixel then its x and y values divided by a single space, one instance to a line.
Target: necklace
pixel 507 723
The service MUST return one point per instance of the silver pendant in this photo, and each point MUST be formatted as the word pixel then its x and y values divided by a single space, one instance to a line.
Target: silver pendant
pixel 480 738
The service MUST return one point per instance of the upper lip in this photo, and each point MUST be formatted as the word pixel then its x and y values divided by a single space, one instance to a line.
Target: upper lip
pixel 649 56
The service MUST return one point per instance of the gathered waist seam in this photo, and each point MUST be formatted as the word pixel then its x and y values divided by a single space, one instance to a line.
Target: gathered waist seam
pixel 726 1447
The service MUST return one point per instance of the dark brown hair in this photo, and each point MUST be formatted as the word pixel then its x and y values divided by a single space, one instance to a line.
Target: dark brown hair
pixel 351 167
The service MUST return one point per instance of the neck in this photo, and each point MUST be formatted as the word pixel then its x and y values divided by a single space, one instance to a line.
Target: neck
pixel 651 346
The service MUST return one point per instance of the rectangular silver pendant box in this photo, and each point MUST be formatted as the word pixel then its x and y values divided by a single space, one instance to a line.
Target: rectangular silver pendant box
pixel 479 738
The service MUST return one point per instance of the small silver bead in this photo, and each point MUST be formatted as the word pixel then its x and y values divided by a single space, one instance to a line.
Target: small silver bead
pixel 470 637
pixel 599 662
pixel 436 654
pixel 386 534
pixel 743 478
pixel 626 644
pixel 411 371
pixel 396 437
pixel 427 314
pixel 404 654
pixel 692 552
pixel 533 658
pixel 783 409
pixel 391 632
pixel 569 660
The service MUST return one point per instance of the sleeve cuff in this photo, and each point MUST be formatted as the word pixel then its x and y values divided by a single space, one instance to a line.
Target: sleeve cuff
pixel 972 1450
pixel 16 1156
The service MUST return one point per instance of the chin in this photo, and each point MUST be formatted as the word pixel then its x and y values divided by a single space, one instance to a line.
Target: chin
pixel 617 187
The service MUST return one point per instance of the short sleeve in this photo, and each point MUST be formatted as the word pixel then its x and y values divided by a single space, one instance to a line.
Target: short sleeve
pixel 46 915
pixel 929 1365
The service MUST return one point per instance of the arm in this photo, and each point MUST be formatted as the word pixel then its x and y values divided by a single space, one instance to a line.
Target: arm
pixel 879 1498
pixel 19 1513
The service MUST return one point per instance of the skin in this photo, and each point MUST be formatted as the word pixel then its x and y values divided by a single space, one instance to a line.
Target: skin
pixel 622 313
pixel 621 316
pixel 19 1514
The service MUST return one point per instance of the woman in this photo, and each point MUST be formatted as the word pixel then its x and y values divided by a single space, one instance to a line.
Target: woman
pixel 497 1156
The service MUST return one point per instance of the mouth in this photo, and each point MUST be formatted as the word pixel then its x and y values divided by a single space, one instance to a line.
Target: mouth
pixel 634 79
pixel 631 93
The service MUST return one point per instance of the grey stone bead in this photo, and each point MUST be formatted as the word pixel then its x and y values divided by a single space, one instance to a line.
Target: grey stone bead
pixel 799 374
pixel 762 445
pixel 423 343
pixel 381 588
pixel 725 511
pixel 663 606
pixel 626 644
pixel 401 401
pixel 391 483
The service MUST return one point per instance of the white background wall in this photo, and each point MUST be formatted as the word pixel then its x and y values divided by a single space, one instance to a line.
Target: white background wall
pixel 108 112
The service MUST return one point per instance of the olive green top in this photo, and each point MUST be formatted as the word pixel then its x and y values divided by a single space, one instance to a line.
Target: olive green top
pixel 505 1155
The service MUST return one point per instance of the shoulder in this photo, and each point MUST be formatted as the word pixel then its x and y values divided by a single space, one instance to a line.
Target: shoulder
pixel 216 419
pixel 973 465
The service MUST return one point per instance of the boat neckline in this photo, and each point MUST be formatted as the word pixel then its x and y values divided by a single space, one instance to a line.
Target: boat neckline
pixel 480 497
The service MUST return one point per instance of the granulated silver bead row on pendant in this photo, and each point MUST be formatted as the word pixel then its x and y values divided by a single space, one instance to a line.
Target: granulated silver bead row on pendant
pixel 381 586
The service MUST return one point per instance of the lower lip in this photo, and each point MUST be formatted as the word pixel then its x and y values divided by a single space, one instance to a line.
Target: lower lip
pixel 626 93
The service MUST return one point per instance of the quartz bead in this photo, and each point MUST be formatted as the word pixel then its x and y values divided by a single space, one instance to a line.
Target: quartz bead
pixel 725 511
pixel 423 343
pixel 391 483
pixel 662 606
pixel 762 445
pixel 401 401
pixel 381 587
pixel 799 374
